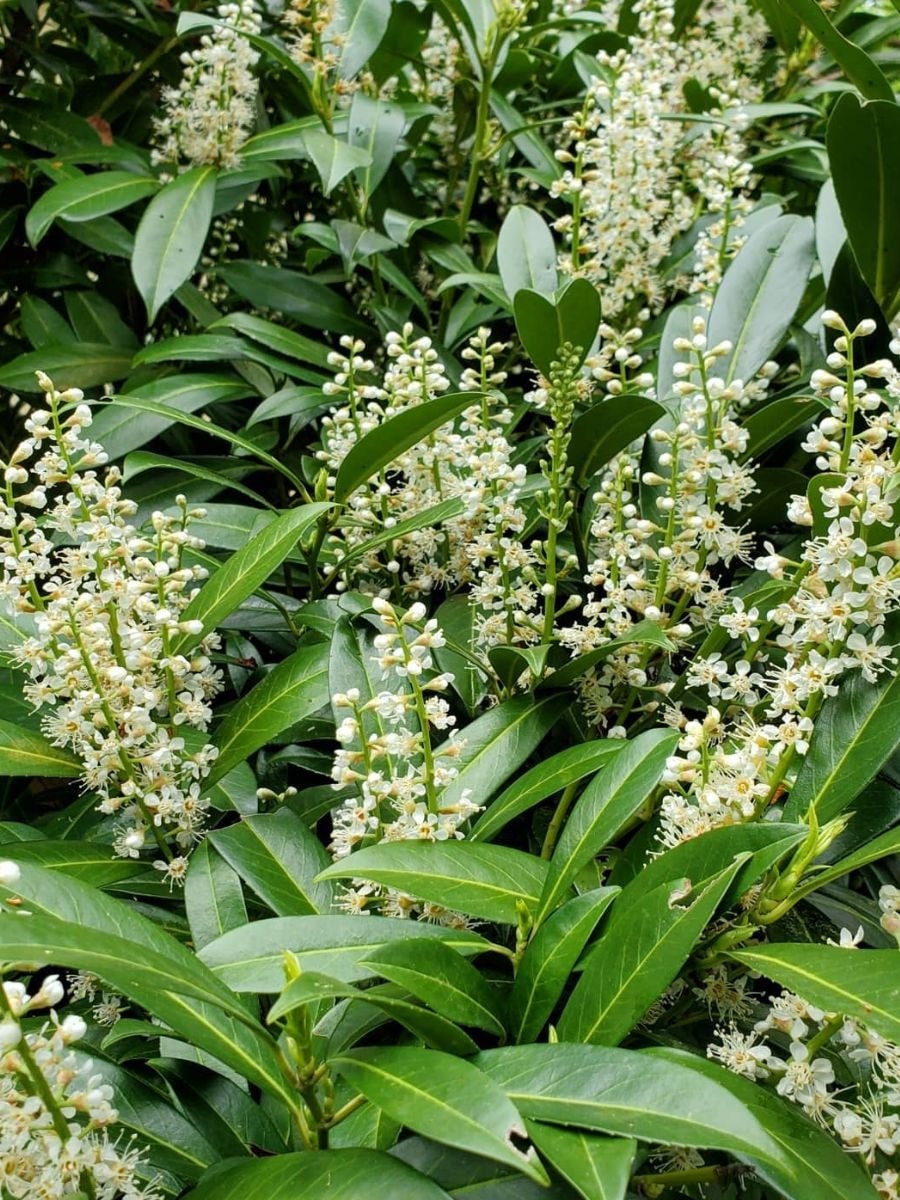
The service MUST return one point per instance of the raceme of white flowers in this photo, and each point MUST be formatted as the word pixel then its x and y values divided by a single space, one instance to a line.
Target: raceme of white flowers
pixel 57 1116
pixel 393 771
pixel 211 113
pixel 122 680
pixel 636 136
pixel 843 1074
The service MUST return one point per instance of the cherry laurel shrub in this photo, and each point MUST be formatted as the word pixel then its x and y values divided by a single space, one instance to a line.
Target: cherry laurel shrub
pixel 449 608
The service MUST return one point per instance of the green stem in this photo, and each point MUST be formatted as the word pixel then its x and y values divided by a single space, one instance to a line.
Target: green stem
pixel 556 822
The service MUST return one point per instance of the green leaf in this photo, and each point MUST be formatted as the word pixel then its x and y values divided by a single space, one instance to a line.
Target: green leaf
pixel 171 235
pixel 606 804
pixel 89 861
pixel 598 1168
pixel 42 324
pixel 376 126
pixel 544 326
pixel 774 421
pixel 885 846
pixel 548 961
pixel 760 293
pixel 441 978
pixel 279 858
pixel 333 158
pixel 809 1162
pixel 644 632
pixel 293 294
pixel 444 1098
pixel 252 959
pixel 119 428
pixel 359 26
pixel 456 619
pixel 862 147
pixel 170 415
pixel 389 440
pixel 856 983
pixel 337 1174
pixel 73 364
pixel 627 1093
pixel 859 68
pixel 526 253
pixel 213 898
pixel 24 752
pixel 96 319
pixel 479 880
pixel 87 198
pixel 275 337
pixel 290 692
pixel 643 949
pixel 245 571
pixel 547 777
pixel 608 427
pixel 145 460
pixel 856 732
pixel 498 742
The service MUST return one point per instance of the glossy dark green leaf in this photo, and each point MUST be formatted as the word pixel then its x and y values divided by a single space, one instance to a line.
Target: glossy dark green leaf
pixel 456 619
pixel 286 342
pixel 549 959
pixel 598 1168
pixel 545 325
pixel 863 986
pixel 443 1098
pixel 386 443
pixel 627 1093
pixel 291 691
pixel 608 427
pixel 145 460
pixel 26 752
pixel 862 147
pixel 856 732
pixel 246 570
pixel 279 858
pixel 606 804
pixel 775 421
pixel 171 235
pixel 213 898
pixel 87 198
pixel 480 880
pixel 441 978
pixel 543 780
pixel 859 68
pixel 72 364
pixel 42 324
pixel 760 293
pixel 89 861
pixel 809 1162
pixel 526 254
pixel 498 742
pixel 280 290
pixel 642 950
pixel 337 1174
pixel 251 959
pixel 643 633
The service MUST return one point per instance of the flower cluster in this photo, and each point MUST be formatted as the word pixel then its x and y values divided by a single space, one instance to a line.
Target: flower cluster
pixel 819 617
pixel 122 678
pixel 55 1112
pixel 624 142
pixel 843 1074
pixel 209 115
pixel 398 775
pixel 481 548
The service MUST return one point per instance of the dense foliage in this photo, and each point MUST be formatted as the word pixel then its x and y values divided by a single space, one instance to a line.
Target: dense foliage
pixel 449 599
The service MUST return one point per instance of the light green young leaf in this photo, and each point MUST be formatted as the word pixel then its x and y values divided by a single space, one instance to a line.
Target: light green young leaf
pixel 171 235
pixel 444 1098
pixel 333 158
